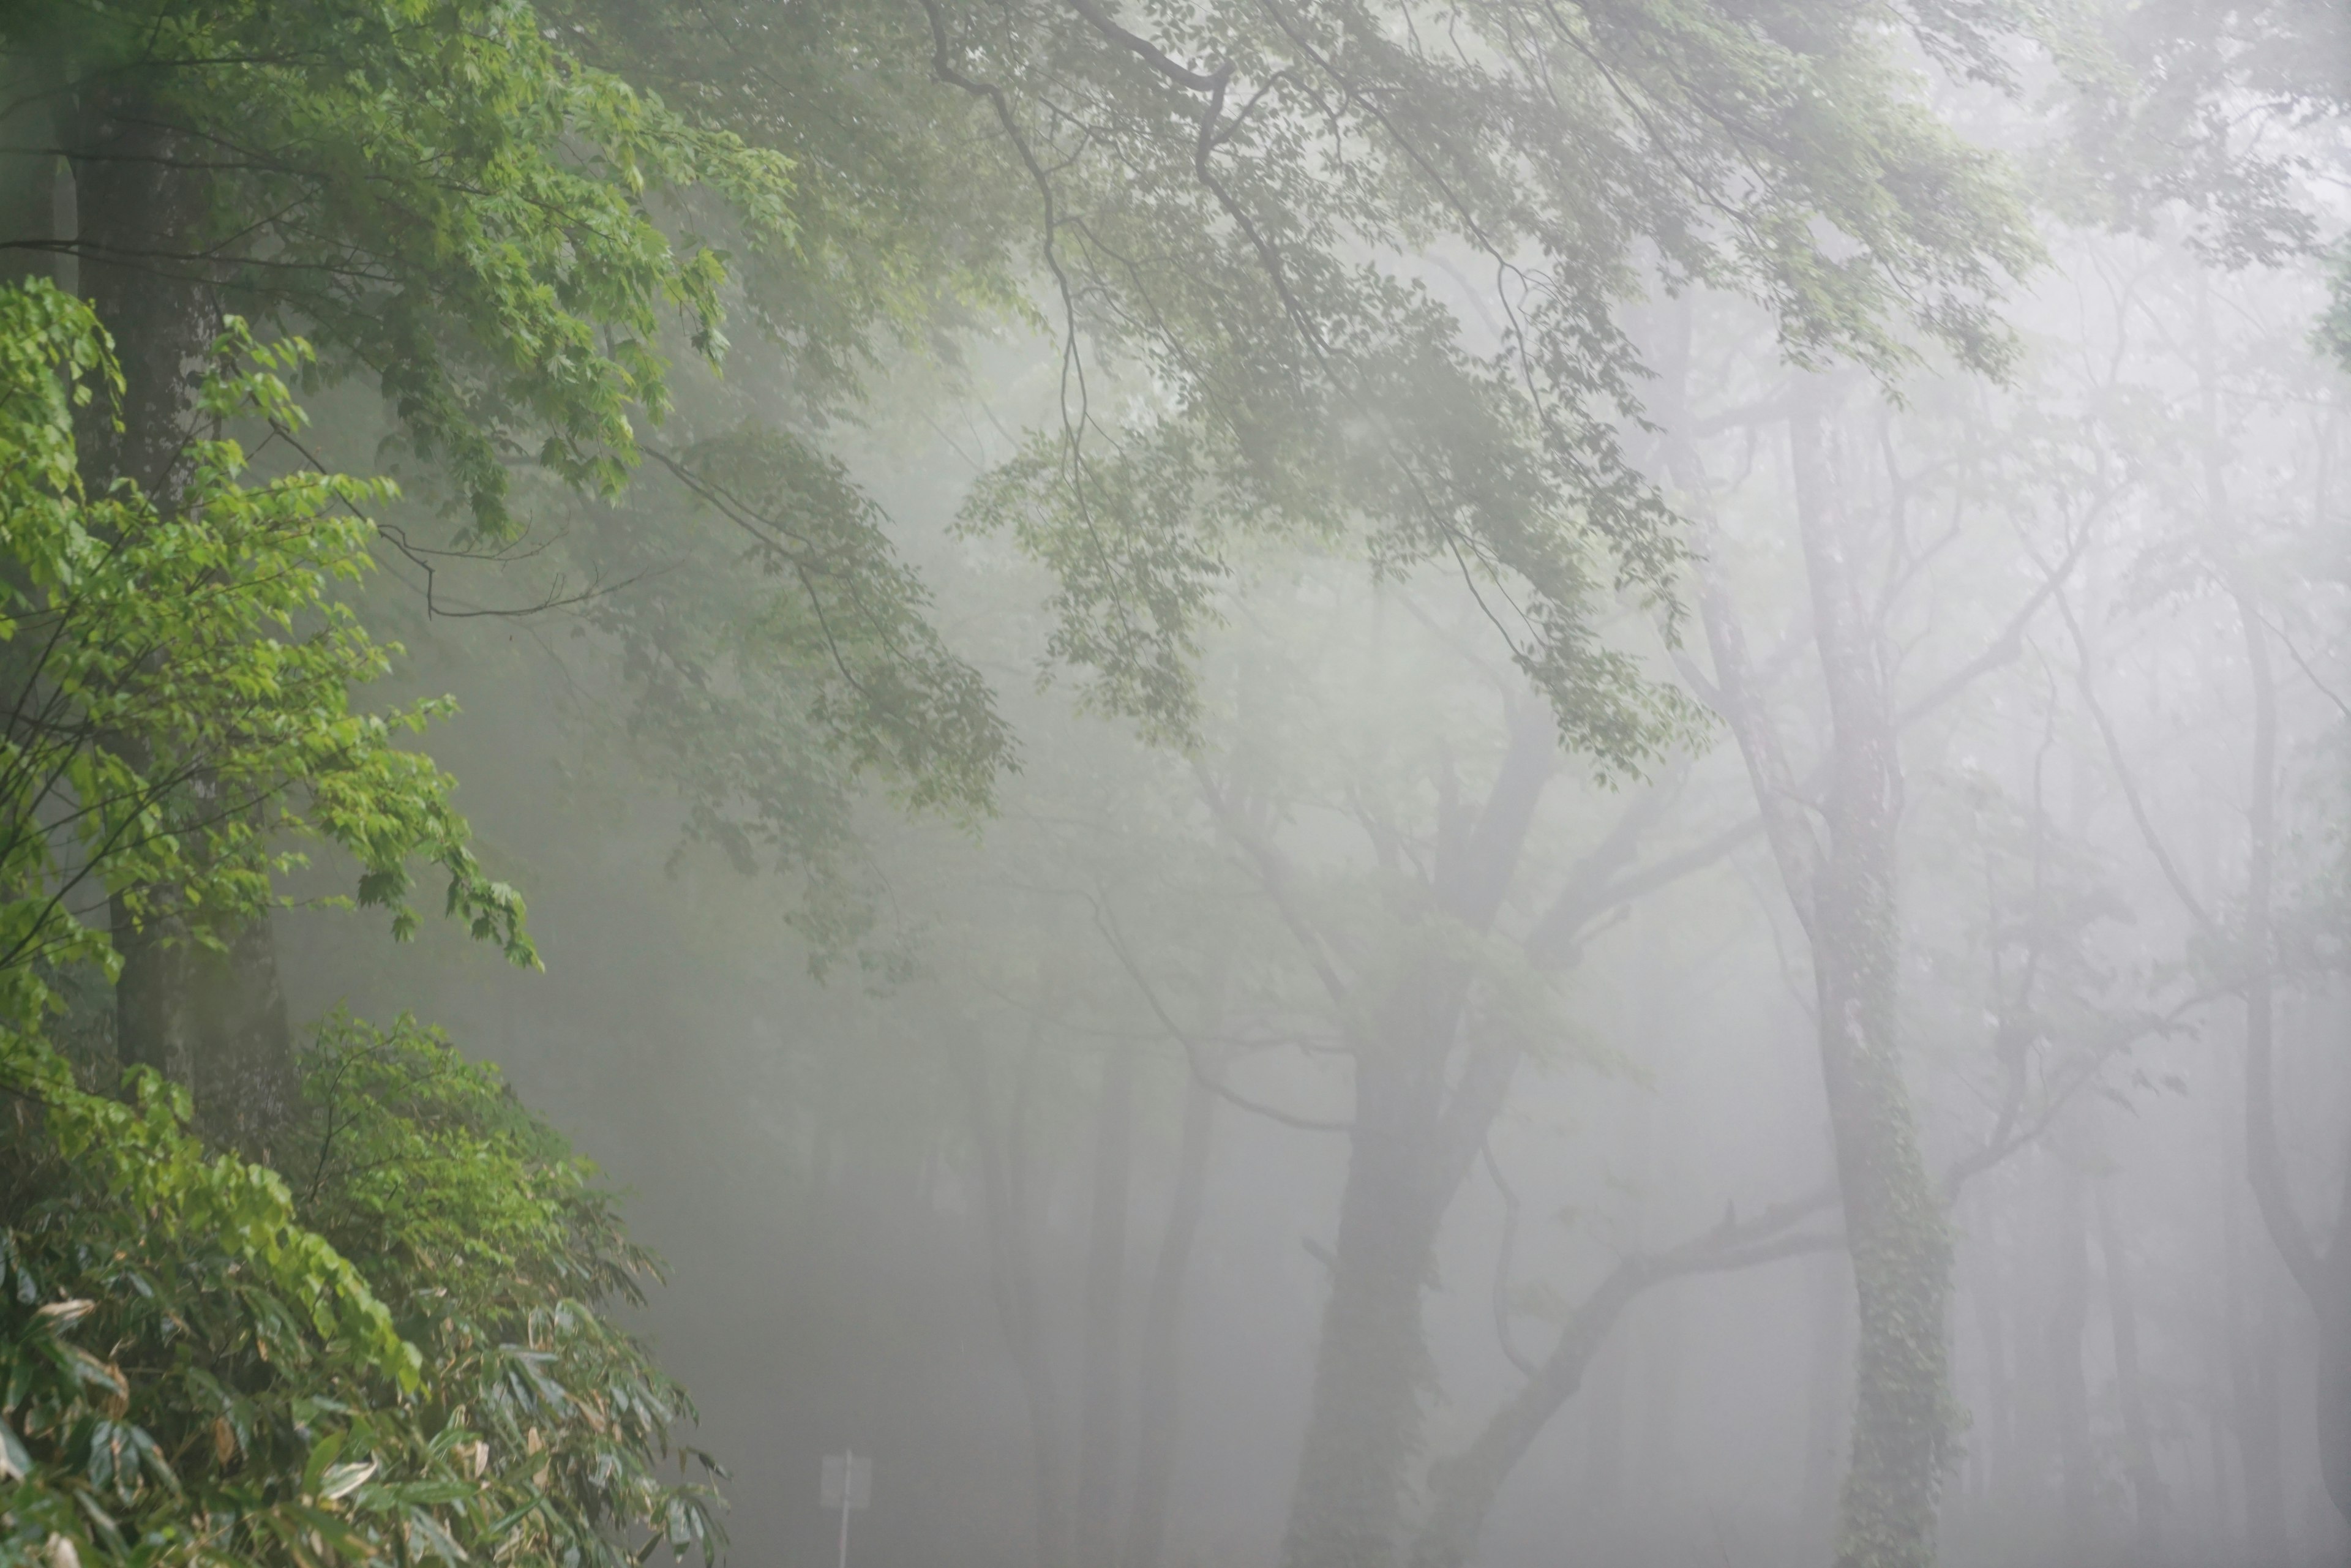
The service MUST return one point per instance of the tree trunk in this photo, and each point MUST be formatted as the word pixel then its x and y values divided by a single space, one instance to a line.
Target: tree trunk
pixel 2334 1390
pixel 1011 1274
pixel 214 1021
pixel 1371 1366
pixel 2260 1422
pixel 1158 1395
pixel 2323 1273
pixel 35 186
pixel 1894 1216
pixel 1842 884
pixel 1098 1418
pixel 140 216
pixel 1416 1131
pixel 1462 1488
pixel 1901 1259
pixel 2069 1322
pixel 2150 1503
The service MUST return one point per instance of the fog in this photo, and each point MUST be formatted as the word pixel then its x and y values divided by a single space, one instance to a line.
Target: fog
pixel 1699 920
pixel 881 1192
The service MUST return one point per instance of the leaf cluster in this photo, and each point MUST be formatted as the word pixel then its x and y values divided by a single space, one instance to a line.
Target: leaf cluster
pixel 396 1357
pixel 178 685
pixel 438 192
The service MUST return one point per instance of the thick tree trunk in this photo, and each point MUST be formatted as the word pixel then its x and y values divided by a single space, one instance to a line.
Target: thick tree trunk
pixel 2149 1502
pixel 35 186
pixel 2323 1273
pixel 1893 1216
pixel 1012 1280
pixel 132 207
pixel 2334 1390
pixel 1842 884
pixel 214 1021
pixel 139 220
pixel 1900 1252
pixel 1371 1366
pixel 1098 1417
pixel 2258 1406
pixel 2069 1322
pixel 1160 1382
pixel 1415 1132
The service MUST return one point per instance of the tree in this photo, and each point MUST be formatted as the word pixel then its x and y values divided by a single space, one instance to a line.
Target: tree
pixel 1196 241
pixel 405 1356
pixel 180 684
pixel 444 199
pixel 2213 557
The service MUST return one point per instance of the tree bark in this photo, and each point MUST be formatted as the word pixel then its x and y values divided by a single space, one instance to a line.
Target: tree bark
pixel 2149 1502
pixel 1371 1366
pixel 2322 1274
pixel 36 187
pixel 1160 1383
pixel 1411 1142
pixel 1463 1489
pixel 2333 1302
pixel 2069 1322
pixel 215 1020
pixel 1012 1281
pixel 1098 1418
pixel 1843 883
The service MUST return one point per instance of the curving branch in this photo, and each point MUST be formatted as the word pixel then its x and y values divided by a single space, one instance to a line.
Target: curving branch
pixel 1462 1489
pixel 1195 1056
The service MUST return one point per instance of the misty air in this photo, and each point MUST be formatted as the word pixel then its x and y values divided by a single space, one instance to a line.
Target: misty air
pixel 1176 784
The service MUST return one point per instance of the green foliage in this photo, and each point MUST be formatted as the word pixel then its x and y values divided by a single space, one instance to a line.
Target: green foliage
pixel 1246 220
pixel 188 1350
pixel 847 627
pixel 2334 328
pixel 493 1247
pixel 179 684
pixel 905 225
pixel 439 193
pixel 403 1361
pixel 773 662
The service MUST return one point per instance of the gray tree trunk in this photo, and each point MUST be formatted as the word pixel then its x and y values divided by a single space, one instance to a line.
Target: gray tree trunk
pixel 1012 1279
pixel 1843 883
pixel 2069 1322
pixel 1425 1097
pixel 2150 1505
pixel 1160 1383
pixel 213 1021
pixel 1098 1417
pixel 1371 1366
pixel 2322 1270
